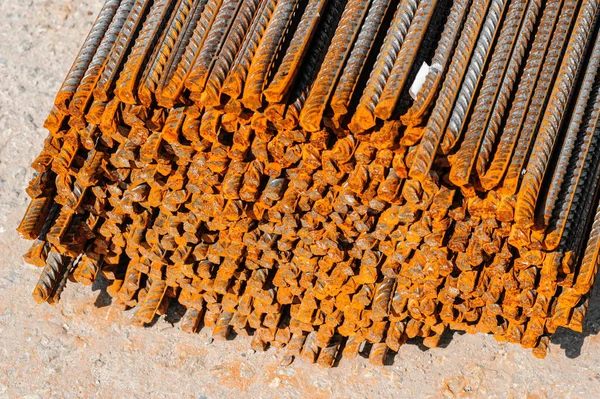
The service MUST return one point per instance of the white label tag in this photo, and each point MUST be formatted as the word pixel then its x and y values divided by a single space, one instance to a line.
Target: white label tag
pixel 419 80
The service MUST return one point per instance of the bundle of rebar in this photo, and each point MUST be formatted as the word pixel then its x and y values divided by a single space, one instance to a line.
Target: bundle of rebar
pixel 332 177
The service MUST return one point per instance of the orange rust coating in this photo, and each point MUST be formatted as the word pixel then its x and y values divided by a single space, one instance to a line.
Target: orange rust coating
pixel 247 160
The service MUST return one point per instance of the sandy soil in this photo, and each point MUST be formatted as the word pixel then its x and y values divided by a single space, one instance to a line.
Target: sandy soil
pixel 85 348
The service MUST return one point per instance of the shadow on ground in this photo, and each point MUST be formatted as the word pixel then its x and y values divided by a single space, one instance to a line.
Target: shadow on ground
pixel 100 284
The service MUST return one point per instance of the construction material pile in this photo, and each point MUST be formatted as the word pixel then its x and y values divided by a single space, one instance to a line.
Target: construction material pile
pixel 329 176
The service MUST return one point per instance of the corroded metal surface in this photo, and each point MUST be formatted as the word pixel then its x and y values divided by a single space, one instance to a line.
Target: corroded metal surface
pixel 247 160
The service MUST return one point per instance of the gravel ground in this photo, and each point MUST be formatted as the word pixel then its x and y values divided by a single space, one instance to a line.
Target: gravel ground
pixel 83 347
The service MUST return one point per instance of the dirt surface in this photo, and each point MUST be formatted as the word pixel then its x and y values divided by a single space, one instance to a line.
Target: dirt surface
pixel 85 348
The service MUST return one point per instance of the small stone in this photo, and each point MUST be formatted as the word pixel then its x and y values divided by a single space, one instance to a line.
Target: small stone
pixel 274 382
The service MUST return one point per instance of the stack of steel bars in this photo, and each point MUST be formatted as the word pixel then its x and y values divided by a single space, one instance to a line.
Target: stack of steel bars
pixel 329 176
